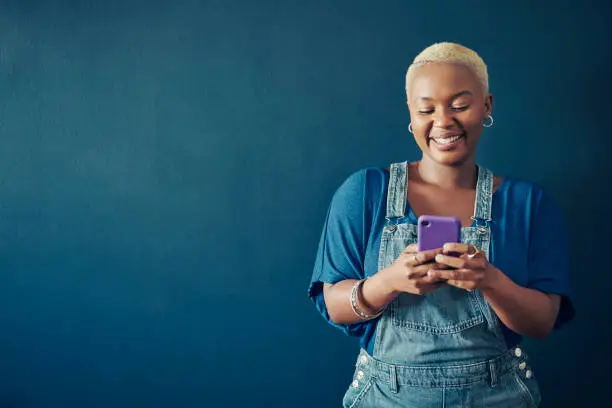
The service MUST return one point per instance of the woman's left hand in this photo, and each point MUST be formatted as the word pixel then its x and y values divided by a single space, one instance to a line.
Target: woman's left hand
pixel 470 268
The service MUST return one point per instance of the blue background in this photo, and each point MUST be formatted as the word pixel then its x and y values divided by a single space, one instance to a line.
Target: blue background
pixel 165 169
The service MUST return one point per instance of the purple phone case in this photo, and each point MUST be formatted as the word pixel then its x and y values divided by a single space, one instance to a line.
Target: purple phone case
pixel 434 231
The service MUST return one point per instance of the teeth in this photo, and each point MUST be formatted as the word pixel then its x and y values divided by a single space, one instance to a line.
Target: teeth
pixel 448 140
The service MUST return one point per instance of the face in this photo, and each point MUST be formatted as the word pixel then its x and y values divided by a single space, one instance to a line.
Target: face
pixel 447 108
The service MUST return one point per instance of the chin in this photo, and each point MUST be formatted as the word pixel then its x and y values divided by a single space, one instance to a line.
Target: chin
pixel 455 158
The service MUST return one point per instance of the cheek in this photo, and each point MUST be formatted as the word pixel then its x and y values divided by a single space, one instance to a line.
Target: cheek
pixel 471 120
pixel 421 123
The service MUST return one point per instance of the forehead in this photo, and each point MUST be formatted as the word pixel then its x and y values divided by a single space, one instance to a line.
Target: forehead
pixel 442 80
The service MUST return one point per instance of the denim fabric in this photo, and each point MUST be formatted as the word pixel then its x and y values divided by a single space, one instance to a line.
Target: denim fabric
pixel 500 382
pixel 445 348
pixel 528 242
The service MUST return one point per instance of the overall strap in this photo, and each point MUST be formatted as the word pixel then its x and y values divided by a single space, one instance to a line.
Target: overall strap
pixel 396 196
pixel 484 196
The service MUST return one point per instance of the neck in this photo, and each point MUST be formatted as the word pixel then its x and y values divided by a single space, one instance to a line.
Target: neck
pixel 444 176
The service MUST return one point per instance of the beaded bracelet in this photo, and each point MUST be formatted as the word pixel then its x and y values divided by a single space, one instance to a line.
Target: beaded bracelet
pixel 360 313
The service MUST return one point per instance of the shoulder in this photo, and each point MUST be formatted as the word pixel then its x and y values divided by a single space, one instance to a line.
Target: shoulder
pixel 518 188
pixel 532 196
pixel 362 191
pixel 372 174
pixel 367 180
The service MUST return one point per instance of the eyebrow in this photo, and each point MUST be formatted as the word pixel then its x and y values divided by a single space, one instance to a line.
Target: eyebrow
pixel 455 96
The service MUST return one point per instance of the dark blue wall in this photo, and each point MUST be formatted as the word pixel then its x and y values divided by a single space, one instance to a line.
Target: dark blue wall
pixel 165 169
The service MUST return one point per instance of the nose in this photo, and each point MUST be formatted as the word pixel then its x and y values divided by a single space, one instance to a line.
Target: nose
pixel 443 119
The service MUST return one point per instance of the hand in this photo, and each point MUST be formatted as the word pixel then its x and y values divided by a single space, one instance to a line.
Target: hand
pixel 471 268
pixel 409 272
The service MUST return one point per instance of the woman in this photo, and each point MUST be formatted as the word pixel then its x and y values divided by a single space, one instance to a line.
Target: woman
pixel 443 327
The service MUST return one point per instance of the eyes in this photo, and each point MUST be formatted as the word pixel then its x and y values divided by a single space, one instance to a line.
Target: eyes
pixel 453 108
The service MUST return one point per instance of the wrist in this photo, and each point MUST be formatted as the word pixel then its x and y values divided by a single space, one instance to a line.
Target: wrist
pixel 493 280
pixel 361 308
pixel 383 284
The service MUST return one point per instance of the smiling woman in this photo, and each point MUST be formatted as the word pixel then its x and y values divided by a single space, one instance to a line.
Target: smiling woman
pixel 442 327
pixel 447 90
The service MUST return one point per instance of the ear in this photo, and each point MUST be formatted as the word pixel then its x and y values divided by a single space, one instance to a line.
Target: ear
pixel 488 104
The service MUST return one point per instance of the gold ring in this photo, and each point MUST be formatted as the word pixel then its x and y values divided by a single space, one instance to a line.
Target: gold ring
pixel 475 253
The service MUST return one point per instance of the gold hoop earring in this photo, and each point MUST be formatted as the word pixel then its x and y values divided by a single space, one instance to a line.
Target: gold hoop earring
pixel 488 125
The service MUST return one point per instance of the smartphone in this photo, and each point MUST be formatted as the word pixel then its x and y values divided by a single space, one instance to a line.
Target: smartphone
pixel 434 231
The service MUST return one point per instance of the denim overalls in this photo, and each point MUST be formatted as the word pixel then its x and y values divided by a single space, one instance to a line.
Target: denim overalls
pixel 445 348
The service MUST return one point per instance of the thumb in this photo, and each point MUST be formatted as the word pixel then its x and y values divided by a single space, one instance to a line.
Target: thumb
pixel 411 249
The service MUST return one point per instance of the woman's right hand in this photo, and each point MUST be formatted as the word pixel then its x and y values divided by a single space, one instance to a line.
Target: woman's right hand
pixel 408 273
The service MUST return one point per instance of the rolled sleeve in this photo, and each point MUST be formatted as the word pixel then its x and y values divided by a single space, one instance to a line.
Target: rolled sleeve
pixel 549 270
pixel 341 249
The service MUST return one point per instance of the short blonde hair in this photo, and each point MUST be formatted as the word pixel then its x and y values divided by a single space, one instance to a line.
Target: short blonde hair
pixel 450 53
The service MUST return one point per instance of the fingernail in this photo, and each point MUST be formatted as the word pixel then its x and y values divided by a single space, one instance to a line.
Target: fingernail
pixel 431 273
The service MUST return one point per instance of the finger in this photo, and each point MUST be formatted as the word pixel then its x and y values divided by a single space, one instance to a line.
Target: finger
pixel 428 256
pixel 455 247
pixel 419 271
pixel 410 249
pixel 452 261
pixel 458 249
pixel 430 287
pixel 419 258
pixel 436 265
pixel 475 253
pixel 428 280
pixel 412 259
pixel 467 285
pixel 413 248
pixel 453 274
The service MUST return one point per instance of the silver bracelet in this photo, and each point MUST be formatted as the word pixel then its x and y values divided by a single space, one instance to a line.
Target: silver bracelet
pixel 360 313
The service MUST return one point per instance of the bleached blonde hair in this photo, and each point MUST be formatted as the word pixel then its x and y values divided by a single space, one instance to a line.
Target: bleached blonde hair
pixel 450 53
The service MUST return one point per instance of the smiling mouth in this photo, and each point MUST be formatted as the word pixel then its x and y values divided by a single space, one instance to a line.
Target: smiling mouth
pixel 447 140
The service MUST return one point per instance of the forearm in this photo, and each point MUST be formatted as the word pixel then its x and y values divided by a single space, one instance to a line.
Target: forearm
pixel 526 311
pixel 375 295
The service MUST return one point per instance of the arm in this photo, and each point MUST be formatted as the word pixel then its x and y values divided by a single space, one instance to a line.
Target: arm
pixel 544 303
pixel 407 274
pixel 375 295
pixel 342 247
pixel 526 311
pixel 534 310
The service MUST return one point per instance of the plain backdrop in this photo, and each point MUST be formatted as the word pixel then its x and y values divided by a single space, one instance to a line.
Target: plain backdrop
pixel 166 167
